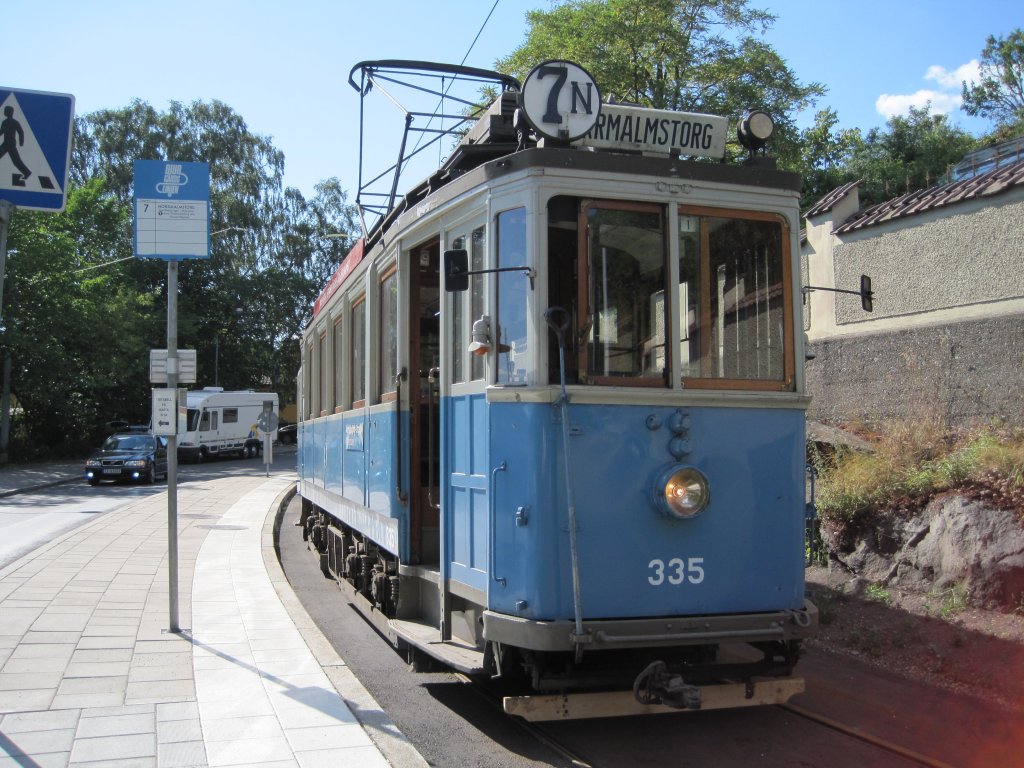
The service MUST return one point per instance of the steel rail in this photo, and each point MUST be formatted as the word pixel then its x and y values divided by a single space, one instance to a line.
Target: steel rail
pixel 888 746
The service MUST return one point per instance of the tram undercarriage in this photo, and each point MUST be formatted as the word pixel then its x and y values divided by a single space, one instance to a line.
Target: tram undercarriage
pixel 637 673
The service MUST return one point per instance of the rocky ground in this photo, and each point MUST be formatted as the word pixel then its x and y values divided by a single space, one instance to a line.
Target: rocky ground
pixel 937 637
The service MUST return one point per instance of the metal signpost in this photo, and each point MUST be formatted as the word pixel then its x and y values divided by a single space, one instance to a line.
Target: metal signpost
pixel 172 222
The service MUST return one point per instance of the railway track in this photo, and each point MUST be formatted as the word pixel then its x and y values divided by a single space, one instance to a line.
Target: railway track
pixel 574 758
pixel 867 738
pixel 534 730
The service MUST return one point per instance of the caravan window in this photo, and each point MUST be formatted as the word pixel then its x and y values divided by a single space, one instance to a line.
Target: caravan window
pixel 230 415
pixel 208 421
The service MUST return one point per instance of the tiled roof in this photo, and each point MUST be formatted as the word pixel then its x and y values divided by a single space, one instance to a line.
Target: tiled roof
pixel 828 201
pixel 987 184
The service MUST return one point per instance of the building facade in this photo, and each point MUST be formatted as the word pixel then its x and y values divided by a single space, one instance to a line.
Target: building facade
pixel 946 338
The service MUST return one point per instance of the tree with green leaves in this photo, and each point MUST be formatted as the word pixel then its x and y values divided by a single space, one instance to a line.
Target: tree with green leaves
pixel 81 314
pixel 826 155
pixel 911 153
pixel 999 95
pixel 689 55
pixel 74 338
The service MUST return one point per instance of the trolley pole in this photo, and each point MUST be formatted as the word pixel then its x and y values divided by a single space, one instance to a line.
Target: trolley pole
pixel 172 448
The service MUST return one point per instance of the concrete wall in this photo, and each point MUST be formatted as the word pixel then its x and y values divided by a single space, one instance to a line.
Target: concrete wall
pixel 971 254
pixel 967 373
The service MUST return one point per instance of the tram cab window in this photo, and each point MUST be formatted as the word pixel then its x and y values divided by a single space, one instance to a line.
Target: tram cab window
pixel 622 288
pixel 563 251
pixel 512 298
pixel 734 287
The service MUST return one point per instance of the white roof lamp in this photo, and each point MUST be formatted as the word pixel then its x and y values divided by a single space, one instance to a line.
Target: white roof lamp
pixel 755 129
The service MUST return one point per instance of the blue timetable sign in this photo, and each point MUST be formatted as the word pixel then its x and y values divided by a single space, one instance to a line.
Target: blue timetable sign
pixel 35 148
pixel 172 210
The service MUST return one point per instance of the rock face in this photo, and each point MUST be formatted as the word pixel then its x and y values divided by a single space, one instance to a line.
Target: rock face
pixel 951 542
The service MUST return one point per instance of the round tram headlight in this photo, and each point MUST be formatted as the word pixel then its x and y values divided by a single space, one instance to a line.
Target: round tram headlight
pixel 681 492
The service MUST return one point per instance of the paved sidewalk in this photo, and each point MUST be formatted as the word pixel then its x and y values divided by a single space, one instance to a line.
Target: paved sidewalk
pixel 90 676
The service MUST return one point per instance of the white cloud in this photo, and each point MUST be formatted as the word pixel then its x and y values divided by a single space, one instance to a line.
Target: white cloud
pixel 890 105
pixel 943 100
pixel 954 80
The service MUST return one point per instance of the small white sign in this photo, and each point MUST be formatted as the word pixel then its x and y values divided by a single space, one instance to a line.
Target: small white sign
pixel 165 411
pixel 158 366
pixel 172 229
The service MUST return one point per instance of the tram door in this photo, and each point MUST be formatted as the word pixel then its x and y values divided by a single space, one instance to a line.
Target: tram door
pixel 424 402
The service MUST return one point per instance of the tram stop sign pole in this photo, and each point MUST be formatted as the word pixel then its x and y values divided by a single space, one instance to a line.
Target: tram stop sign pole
pixel 172 222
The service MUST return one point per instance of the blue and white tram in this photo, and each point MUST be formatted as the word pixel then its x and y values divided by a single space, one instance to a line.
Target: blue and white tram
pixel 552 418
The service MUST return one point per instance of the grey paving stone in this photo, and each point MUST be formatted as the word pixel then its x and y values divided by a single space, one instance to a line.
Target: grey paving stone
pixel 44 650
pixel 18 722
pixel 106 642
pixel 96 684
pixel 34 665
pixel 87 700
pixel 116 725
pixel 182 754
pixel 21 701
pixel 168 731
pixel 152 673
pixel 42 741
pixel 101 655
pixel 185 710
pixel 26 681
pixel 98 669
pixel 48 760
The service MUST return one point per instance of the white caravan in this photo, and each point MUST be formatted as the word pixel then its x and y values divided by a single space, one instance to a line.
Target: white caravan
pixel 224 423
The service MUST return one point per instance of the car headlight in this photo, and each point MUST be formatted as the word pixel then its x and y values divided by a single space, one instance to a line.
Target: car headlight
pixel 93 463
pixel 136 463
pixel 681 492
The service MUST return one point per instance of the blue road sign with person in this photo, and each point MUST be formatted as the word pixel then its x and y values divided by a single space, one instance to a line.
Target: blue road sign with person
pixel 35 148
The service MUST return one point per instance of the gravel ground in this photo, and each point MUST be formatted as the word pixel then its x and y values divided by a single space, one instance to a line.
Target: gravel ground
pixel 936 638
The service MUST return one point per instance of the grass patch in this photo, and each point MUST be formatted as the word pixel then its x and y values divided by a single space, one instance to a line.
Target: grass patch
pixel 909 463
pixel 878 593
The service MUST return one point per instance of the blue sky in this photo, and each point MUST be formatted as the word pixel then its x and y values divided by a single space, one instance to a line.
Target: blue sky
pixel 284 66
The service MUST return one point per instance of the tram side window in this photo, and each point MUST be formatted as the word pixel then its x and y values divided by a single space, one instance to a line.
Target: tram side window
pixel 464 316
pixel 734 288
pixel 357 325
pixel 512 287
pixel 388 331
pixel 307 373
pixel 325 374
pixel 339 363
pixel 622 297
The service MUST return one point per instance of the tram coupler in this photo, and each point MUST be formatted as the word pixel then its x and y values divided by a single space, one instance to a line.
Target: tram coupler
pixel 656 685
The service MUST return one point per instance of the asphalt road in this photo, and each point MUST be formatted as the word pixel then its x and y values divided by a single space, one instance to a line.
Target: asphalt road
pixel 28 520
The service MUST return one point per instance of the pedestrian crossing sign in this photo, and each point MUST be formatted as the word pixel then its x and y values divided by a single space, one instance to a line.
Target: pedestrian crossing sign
pixel 35 148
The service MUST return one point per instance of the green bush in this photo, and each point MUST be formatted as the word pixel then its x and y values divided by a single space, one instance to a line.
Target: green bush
pixel 909 464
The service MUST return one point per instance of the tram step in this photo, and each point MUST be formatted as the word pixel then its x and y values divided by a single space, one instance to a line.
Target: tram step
pixel 456 654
